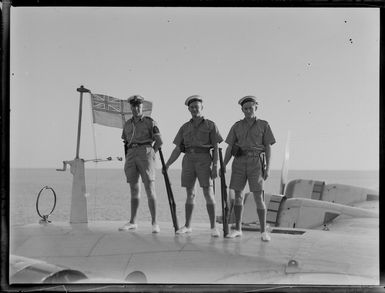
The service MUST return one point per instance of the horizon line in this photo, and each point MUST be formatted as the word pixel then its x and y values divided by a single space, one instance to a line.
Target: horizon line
pixel 112 168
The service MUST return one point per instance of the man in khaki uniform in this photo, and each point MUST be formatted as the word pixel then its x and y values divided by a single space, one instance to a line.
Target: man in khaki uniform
pixel 139 133
pixel 247 140
pixel 195 138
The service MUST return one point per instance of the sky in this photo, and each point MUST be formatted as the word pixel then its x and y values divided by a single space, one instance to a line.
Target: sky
pixel 314 70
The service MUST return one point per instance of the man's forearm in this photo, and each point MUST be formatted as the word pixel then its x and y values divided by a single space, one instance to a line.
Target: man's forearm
pixel 158 143
pixel 268 156
pixel 227 155
pixel 173 157
pixel 215 155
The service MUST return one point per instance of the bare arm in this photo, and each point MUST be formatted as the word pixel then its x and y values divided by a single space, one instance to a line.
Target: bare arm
pixel 215 155
pixel 227 156
pixel 268 156
pixel 214 168
pixel 158 142
pixel 173 157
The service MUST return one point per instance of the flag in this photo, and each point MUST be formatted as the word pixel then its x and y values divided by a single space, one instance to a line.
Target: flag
pixel 113 112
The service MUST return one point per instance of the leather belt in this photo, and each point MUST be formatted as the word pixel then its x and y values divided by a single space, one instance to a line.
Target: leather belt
pixel 192 150
pixel 250 153
pixel 135 145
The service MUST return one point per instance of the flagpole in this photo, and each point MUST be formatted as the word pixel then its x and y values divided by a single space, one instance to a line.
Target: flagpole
pixel 81 90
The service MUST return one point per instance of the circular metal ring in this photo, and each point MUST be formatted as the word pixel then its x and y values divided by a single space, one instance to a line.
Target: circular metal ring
pixel 45 217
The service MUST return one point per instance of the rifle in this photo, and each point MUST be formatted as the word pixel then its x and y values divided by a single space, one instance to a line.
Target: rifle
pixel 170 195
pixel 225 206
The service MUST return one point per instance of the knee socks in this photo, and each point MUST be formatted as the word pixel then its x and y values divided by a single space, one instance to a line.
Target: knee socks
pixel 134 209
pixel 211 212
pixel 238 216
pixel 189 207
pixel 152 207
pixel 262 219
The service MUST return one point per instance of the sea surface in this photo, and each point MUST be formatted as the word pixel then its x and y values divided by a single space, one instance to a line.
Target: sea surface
pixel 108 194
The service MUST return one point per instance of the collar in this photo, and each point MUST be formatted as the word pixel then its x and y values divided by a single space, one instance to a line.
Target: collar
pixel 250 122
pixel 140 118
pixel 199 119
pixel 252 119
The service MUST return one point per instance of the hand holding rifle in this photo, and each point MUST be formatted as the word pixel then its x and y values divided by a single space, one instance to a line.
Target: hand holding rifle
pixel 226 160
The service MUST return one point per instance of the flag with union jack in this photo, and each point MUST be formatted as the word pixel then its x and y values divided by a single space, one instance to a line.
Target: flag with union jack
pixel 113 112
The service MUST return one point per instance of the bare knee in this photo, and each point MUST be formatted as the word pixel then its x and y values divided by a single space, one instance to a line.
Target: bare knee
pixel 190 196
pixel 209 196
pixel 259 200
pixel 135 190
pixel 238 201
pixel 150 190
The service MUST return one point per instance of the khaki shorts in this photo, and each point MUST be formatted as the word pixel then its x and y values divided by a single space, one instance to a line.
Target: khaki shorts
pixel 140 161
pixel 196 166
pixel 244 169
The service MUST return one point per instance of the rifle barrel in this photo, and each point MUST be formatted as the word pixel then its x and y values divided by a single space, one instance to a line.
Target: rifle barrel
pixel 225 209
pixel 170 195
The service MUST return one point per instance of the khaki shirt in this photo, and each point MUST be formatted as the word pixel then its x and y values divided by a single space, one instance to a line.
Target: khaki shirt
pixel 251 136
pixel 202 133
pixel 145 130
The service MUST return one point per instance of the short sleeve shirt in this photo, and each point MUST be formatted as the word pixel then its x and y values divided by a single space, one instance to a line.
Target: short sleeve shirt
pixel 143 131
pixel 203 133
pixel 248 136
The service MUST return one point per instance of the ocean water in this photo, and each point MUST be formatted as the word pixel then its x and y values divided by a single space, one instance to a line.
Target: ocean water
pixel 108 194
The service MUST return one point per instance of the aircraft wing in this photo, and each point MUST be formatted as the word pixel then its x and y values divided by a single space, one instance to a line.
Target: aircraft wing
pixel 294 256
